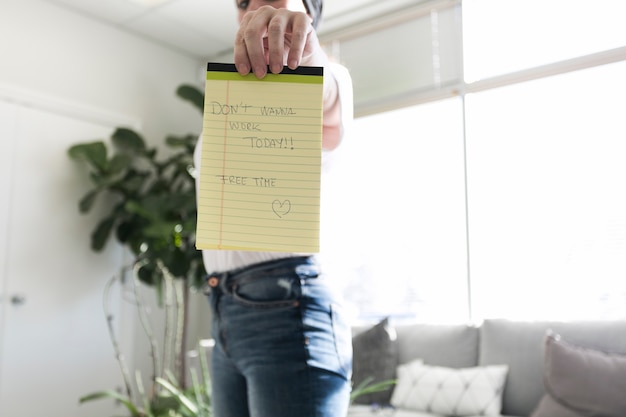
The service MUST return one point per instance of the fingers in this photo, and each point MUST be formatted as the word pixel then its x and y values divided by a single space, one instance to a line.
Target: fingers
pixel 276 32
pixel 301 30
pixel 249 51
pixel 269 36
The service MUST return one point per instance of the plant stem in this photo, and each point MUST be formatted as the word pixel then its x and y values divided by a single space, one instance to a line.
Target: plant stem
pixel 176 300
pixel 145 324
pixel 170 323
pixel 181 329
pixel 142 393
pixel 119 356
pixel 185 327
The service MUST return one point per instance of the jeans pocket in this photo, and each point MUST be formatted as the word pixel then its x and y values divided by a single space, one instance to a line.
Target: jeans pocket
pixel 268 292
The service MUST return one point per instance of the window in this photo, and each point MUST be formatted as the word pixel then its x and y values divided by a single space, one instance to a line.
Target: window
pixel 501 37
pixel 397 198
pixel 505 197
pixel 547 196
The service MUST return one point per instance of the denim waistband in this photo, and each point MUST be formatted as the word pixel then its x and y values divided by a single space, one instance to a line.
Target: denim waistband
pixel 225 280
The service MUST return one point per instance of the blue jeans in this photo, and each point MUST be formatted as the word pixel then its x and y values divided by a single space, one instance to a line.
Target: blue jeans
pixel 282 348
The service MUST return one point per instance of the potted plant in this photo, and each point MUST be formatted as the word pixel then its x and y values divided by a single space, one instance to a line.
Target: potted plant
pixel 152 212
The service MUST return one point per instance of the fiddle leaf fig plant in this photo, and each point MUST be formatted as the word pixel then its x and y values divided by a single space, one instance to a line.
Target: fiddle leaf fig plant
pixel 149 203
pixel 153 201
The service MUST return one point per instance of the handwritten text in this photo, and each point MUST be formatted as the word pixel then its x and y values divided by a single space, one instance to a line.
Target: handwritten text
pixel 269 143
pixel 247 181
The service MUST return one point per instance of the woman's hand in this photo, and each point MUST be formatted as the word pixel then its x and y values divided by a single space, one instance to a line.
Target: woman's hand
pixel 275 37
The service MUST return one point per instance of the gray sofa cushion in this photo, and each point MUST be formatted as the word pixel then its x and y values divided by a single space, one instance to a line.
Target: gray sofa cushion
pixel 521 346
pixel 375 356
pixel 454 346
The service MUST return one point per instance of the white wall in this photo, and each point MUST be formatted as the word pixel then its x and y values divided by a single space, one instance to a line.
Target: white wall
pixel 55 52
pixel 59 61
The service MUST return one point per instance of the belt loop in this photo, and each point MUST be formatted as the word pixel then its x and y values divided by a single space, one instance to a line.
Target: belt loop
pixel 223 282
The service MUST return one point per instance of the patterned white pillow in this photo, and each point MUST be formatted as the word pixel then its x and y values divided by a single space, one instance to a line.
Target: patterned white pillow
pixel 448 391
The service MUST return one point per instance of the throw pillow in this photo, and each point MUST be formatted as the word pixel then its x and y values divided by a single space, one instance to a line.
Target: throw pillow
pixel 375 358
pixel 583 380
pixel 449 391
pixel 548 407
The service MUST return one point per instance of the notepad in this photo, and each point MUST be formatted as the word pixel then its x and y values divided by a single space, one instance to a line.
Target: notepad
pixel 259 187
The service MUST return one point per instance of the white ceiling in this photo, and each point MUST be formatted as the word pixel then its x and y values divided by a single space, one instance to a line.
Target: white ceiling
pixel 205 28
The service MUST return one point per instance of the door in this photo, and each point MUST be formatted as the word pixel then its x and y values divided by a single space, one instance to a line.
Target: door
pixel 54 344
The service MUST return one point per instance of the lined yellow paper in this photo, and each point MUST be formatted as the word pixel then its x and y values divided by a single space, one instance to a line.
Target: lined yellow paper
pixel 261 161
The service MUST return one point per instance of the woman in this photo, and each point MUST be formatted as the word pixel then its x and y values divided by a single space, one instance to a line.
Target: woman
pixel 282 347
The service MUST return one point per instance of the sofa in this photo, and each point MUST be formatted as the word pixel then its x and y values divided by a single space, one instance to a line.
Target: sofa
pixel 500 367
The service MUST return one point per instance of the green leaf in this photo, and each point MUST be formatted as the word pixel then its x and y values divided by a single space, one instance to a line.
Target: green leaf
pixel 113 395
pixel 125 230
pixel 94 153
pixel 86 203
pixel 186 402
pixel 101 234
pixel 150 275
pixel 132 182
pixel 151 153
pixel 193 95
pixel 160 230
pixel 187 141
pixel 128 140
pixel 366 387
pixel 178 263
pixel 199 273
pixel 119 163
pixel 172 378
pixel 98 178
pixel 160 203
pixel 162 405
pixel 137 208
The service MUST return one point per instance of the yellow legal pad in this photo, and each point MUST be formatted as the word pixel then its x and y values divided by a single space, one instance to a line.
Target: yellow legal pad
pixel 261 161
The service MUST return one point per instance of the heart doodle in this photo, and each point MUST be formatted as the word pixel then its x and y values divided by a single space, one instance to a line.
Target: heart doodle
pixel 281 208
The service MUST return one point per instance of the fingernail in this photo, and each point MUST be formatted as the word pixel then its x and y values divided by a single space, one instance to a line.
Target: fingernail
pixel 293 64
pixel 259 72
pixel 243 69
